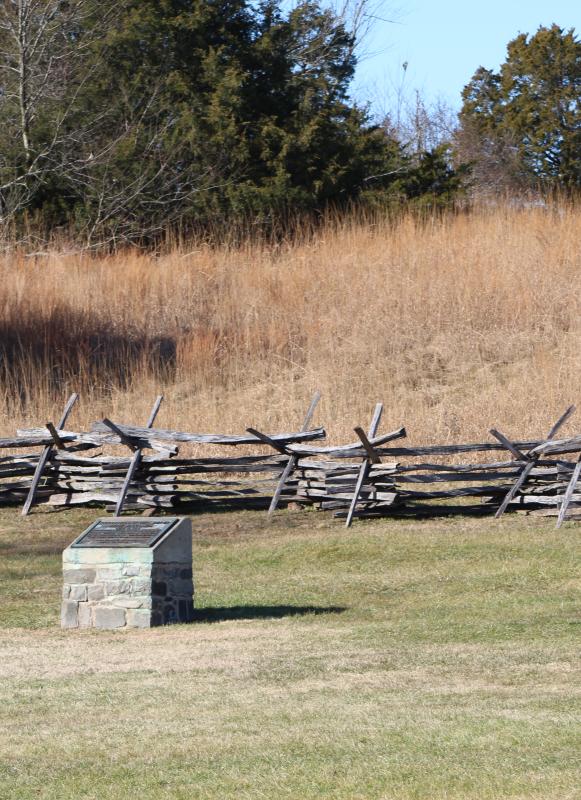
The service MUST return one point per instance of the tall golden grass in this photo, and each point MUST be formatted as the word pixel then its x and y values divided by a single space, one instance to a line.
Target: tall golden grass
pixel 456 323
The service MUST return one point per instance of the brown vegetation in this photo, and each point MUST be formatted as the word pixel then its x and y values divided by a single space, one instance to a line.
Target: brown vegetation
pixel 455 323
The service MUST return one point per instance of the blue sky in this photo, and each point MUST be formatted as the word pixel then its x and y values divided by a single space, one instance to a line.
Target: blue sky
pixel 444 42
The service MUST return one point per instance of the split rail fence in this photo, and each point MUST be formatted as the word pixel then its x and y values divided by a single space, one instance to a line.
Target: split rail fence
pixel 370 477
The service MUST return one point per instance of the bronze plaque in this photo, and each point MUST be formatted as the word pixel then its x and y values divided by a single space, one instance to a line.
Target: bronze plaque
pixel 124 533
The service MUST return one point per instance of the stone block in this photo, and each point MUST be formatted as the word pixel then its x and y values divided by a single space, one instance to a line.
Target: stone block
pixel 69 614
pixel 95 592
pixel 179 586
pixel 131 570
pixel 84 613
pixel 82 575
pixel 66 591
pixel 176 548
pixel 140 586
pixel 167 571
pixel 139 618
pixel 108 617
pixel 78 592
pixel 118 587
pixel 105 556
pixel 112 572
pixel 159 588
pixel 185 610
pixel 124 601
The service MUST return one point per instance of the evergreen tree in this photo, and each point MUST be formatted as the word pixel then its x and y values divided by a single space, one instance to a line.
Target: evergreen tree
pixel 525 121
pixel 258 100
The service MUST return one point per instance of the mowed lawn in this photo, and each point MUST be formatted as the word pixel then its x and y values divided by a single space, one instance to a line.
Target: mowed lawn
pixel 436 659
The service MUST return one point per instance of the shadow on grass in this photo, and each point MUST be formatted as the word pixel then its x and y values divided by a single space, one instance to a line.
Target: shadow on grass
pixel 261 612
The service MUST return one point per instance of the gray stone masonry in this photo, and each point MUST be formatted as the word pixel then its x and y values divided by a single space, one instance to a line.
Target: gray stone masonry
pixel 129 587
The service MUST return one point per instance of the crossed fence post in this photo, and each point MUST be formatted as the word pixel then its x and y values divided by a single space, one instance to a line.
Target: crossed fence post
pixel 530 460
pixel 136 457
pixel 44 456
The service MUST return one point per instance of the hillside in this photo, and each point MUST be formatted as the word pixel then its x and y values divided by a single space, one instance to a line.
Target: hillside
pixel 455 323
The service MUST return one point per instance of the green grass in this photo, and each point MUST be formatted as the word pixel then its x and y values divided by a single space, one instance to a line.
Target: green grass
pixel 398 660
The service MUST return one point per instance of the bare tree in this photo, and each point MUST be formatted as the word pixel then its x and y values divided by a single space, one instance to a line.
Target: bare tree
pixel 495 164
pixel 45 60
pixel 52 137
pixel 358 19
pixel 418 124
pixel 136 199
pixel 44 46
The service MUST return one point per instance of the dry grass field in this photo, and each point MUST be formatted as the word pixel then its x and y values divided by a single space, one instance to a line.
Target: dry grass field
pixel 456 323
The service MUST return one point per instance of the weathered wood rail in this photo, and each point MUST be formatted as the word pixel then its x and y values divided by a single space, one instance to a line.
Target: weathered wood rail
pixel 372 476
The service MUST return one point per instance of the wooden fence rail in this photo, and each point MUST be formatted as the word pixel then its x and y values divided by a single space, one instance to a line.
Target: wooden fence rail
pixel 371 476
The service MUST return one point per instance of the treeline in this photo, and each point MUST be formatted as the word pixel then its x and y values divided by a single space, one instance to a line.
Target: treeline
pixel 125 118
